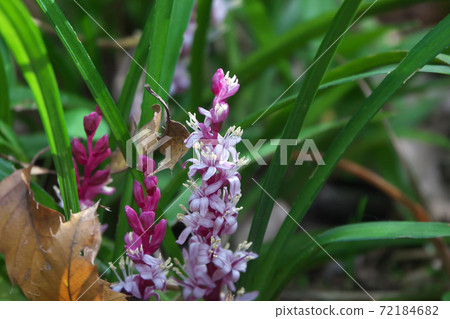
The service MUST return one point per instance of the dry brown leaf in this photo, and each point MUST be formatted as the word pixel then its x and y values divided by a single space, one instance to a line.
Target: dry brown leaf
pixel 48 258
pixel 111 295
pixel 147 137
pixel 148 140
pixel 117 162
pixel 174 149
pixel 171 142
pixel 149 143
pixel 155 123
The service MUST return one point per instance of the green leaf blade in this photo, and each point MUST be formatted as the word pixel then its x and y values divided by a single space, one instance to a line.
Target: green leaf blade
pixel 27 46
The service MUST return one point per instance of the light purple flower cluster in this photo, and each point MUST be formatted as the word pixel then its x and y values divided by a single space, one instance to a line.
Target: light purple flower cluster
pixel 211 269
pixel 94 181
pixel 144 240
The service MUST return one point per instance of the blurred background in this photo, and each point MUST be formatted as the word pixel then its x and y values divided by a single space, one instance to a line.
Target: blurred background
pixel 406 145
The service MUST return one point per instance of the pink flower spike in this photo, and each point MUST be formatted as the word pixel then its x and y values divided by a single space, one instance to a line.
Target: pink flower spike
pixel 133 220
pixel 92 183
pixel 91 123
pixel 210 270
pixel 79 152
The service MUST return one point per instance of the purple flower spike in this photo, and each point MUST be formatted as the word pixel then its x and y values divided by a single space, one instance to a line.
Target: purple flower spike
pixel 144 240
pixel 210 269
pixel 94 182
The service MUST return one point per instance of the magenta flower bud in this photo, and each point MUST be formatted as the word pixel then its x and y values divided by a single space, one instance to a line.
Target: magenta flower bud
pixel 217 84
pixel 150 184
pixel 79 152
pixel 146 165
pixel 91 123
pixel 138 194
pixel 152 201
pixel 101 146
pixel 133 220
pixel 223 86
pixel 158 236
pixel 99 177
pixel 147 220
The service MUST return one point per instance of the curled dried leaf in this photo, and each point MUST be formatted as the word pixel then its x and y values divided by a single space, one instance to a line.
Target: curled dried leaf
pixel 174 148
pixel 148 140
pixel 171 141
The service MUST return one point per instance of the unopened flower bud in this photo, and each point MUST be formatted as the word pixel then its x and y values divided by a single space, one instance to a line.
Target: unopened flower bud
pixel 79 152
pixel 91 123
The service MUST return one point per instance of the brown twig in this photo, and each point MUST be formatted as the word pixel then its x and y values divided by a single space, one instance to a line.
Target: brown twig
pixel 377 181
pixel 35 170
pixel 156 96
pixel 419 212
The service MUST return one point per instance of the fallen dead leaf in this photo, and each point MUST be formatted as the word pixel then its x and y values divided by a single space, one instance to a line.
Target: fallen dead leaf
pixel 48 258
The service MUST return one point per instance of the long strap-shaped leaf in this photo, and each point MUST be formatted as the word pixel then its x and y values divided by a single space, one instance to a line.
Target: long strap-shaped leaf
pixel 87 69
pixel 135 71
pixel 276 172
pixel 302 34
pixel 27 46
pixel 351 71
pixel 430 46
pixel 370 231
pixel 203 14
pixel 170 19
pixel 5 110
